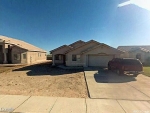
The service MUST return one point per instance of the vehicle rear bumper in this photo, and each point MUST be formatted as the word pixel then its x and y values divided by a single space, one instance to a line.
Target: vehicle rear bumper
pixel 135 71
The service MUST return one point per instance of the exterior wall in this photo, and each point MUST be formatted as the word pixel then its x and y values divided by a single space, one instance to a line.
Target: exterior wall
pixel 144 55
pixel 33 57
pixel 102 50
pixel 78 51
pixel 59 51
pixel 124 55
pixel 19 52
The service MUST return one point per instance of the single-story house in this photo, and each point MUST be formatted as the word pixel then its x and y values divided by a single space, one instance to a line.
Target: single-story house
pixel 16 51
pixel 80 53
pixel 140 52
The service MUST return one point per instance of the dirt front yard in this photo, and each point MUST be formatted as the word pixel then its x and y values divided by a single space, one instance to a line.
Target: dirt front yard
pixel 43 80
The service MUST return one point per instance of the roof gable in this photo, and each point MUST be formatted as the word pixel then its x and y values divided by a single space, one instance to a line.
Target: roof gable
pixel 86 43
pixel 61 47
pixel 77 43
pixel 102 45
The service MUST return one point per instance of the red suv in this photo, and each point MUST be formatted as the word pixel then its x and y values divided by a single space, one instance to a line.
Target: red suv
pixel 125 64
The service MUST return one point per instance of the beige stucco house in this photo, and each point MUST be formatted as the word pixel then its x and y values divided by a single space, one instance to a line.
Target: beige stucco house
pixel 140 52
pixel 17 51
pixel 80 53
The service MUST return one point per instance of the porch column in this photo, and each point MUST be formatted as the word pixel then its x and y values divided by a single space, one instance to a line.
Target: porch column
pixel 5 58
pixel 53 59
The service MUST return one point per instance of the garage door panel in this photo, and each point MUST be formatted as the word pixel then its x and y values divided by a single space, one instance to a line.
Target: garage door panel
pixel 98 60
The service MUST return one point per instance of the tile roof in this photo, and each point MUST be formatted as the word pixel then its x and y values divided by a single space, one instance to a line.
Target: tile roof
pixel 140 48
pixel 71 46
pixel 60 48
pixel 79 41
pixel 82 45
pixel 100 45
pixel 129 48
pixel 21 44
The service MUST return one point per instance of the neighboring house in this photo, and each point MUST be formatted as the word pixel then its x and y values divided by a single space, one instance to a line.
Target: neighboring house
pixel 16 51
pixel 140 52
pixel 80 53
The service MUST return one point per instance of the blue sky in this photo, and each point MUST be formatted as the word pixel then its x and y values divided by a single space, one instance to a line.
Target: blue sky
pixel 52 23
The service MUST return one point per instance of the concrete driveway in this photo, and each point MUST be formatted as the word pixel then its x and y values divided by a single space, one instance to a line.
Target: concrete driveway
pixel 104 84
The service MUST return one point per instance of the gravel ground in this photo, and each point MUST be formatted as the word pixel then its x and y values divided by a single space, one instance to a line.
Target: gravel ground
pixel 43 80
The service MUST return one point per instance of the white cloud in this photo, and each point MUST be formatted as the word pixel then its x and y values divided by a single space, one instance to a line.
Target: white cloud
pixel 124 4
pixel 145 4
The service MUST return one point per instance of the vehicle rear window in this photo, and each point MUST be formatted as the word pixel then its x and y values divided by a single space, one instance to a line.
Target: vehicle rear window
pixel 130 62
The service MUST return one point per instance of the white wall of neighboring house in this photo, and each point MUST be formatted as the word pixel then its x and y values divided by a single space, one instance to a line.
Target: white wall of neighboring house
pixel 33 57
pixel 17 55
pixel 144 55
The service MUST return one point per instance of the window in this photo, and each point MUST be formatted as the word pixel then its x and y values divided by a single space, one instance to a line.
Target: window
pixel 16 56
pixel 74 57
pixel 56 57
pixel 24 56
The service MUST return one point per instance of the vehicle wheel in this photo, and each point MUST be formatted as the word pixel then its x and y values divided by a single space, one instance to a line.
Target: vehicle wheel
pixel 136 73
pixel 109 68
pixel 119 72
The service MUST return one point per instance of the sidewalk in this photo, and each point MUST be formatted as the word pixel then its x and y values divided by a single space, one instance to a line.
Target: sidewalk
pixel 41 104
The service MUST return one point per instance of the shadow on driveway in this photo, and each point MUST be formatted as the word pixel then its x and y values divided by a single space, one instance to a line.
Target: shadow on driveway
pixel 46 69
pixel 105 76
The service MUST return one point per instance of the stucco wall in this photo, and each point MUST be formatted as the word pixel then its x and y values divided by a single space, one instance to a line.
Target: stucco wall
pixel 20 52
pixel 102 50
pixel 144 55
pixel 124 55
pixel 133 55
pixel 78 51
pixel 33 57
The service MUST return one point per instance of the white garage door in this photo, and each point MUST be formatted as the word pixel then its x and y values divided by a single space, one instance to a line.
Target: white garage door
pixel 97 60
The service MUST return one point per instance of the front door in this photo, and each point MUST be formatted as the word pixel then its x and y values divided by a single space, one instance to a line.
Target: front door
pixel 64 59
